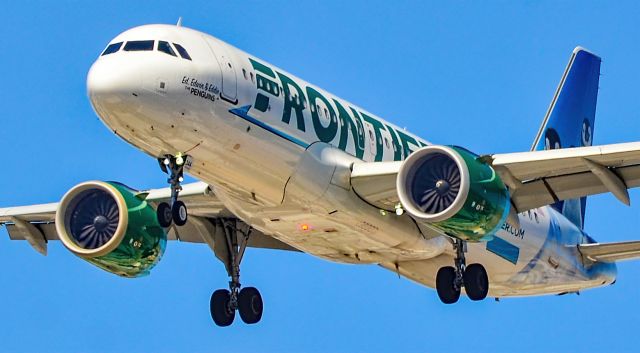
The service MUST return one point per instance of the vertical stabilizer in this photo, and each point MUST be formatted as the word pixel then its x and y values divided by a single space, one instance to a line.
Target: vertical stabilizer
pixel 569 121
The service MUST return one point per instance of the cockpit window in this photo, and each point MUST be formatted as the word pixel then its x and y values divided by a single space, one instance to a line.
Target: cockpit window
pixel 165 48
pixel 112 48
pixel 139 45
pixel 182 51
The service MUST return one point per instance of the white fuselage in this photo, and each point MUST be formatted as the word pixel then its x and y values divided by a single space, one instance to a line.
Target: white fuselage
pixel 277 151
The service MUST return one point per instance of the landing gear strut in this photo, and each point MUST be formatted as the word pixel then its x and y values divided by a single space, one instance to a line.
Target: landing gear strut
pixel 450 280
pixel 248 300
pixel 175 211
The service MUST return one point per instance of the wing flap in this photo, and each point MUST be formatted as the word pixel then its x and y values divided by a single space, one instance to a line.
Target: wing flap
pixel 540 192
pixel 611 252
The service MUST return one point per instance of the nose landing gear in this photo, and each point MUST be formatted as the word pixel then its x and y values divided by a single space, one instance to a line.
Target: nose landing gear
pixel 175 211
pixel 450 280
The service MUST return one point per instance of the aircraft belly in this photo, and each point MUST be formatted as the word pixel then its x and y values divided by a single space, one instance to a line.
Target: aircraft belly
pixel 338 235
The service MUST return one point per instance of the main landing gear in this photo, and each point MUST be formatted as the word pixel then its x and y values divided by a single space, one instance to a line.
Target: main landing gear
pixel 450 280
pixel 248 301
pixel 175 211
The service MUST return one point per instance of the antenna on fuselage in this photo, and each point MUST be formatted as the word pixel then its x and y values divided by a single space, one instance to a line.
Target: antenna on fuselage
pixel 179 24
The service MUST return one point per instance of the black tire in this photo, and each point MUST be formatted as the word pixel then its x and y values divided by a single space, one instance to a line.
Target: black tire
pixel 476 282
pixel 219 306
pixel 164 215
pixel 179 213
pixel 250 305
pixel 445 285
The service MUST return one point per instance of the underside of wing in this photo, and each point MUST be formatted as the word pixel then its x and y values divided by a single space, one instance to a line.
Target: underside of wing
pixel 376 183
pixel 36 223
pixel 535 179
pixel 198 197
pixel 540 178
pixel 611 252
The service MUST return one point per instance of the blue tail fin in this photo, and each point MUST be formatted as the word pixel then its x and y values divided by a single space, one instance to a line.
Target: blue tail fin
pixel 569 122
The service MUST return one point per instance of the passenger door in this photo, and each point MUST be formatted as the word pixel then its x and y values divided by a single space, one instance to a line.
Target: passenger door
pixel 229 89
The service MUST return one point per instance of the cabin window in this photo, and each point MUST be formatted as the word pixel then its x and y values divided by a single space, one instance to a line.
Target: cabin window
pixel 139 45
pixel 112 48
pixel 182 51
pixel 166 48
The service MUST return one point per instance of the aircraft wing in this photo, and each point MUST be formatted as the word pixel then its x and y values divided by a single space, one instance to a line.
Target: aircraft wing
pixel 36 223
pixel 535 179
pixel 540 178
pixel 611 252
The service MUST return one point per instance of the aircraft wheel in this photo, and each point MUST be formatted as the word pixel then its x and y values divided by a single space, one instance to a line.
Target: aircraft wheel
pixel 445 285
pixel 221 312
pixel 179 213
pixel 476 282
pixel 164 214
pixel 250 305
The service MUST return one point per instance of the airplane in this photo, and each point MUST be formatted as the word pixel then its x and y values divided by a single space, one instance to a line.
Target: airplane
pixel 282 164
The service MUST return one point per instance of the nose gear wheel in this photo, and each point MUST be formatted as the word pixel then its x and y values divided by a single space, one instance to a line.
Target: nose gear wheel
pixel 175 211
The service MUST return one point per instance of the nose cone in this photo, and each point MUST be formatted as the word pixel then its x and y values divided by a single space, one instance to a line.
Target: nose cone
pixel 111 76
pixel 113 85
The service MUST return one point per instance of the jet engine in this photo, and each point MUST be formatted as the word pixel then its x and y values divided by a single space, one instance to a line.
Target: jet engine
pixel 109 225
pixel 452 190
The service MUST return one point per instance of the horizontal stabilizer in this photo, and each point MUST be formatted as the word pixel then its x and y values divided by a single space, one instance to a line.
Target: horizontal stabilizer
pixel 610 252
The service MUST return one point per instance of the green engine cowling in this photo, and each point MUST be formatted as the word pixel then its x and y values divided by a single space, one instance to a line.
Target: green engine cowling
pixel 108 226
pixel 452 190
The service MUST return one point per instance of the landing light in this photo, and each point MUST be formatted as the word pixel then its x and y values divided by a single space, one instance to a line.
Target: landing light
pixel 179 160
pixel 399 210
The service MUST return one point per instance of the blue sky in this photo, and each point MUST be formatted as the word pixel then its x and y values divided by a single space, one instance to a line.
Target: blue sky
pixel 477 74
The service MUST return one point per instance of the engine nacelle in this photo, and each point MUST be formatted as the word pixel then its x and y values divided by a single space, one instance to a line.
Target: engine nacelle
pixel 450 189
pixel 107 225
